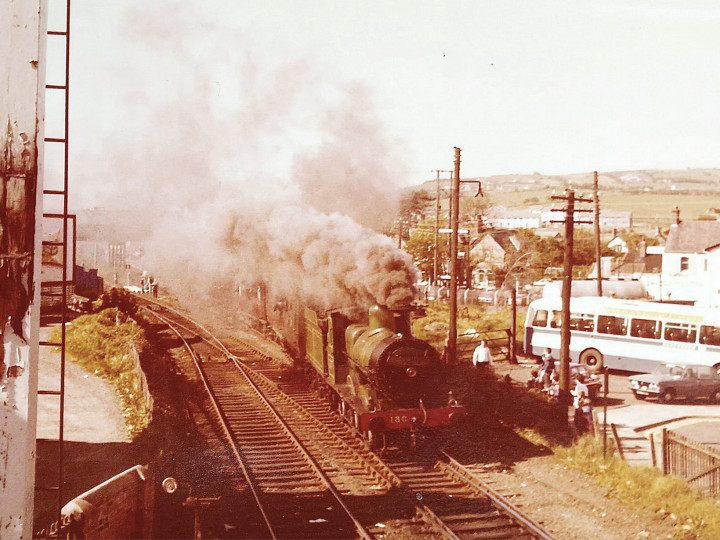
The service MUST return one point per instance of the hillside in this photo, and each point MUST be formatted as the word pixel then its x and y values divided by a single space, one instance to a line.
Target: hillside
pixel 650 195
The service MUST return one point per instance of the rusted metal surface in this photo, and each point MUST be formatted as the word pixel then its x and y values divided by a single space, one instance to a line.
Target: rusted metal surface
pixel 22 38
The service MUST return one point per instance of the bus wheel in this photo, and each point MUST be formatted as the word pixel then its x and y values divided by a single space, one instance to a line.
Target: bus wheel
pixel 592 359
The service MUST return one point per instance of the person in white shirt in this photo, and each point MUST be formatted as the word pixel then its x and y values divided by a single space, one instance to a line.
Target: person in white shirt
pixel 582 400
pixel 482 358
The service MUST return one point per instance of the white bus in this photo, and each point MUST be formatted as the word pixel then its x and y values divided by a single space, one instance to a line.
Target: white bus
pixel 630 335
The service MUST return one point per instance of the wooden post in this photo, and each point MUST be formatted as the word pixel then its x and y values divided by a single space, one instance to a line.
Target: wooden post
pixel 598 251
pixel 606 382
pixel 617 441
pixel 513 328
pixel 454 221
pixel 653 457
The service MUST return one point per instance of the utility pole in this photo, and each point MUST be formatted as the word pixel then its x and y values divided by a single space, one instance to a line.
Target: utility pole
pixel 437 227
pixel 570 200
pixel 598 251
pixel 454 219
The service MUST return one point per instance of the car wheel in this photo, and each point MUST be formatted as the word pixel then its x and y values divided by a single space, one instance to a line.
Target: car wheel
pixel 715 395
pixel 667 396
pixel 592 359
pixel 638 396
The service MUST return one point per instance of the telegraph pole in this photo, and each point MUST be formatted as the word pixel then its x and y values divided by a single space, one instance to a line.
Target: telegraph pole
pixel 598 251
pixel 454 219
pixel 570 200
pixel 437 232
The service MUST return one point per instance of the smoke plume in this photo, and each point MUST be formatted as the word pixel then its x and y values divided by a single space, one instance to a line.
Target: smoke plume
pixel 241 172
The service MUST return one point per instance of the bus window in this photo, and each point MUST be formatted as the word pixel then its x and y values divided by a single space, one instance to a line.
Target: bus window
pixel 541 318
pixel 582 322
pixel 645 328
pixel 556 320
pixel 680 332
pixel 710 335
pixel 607 324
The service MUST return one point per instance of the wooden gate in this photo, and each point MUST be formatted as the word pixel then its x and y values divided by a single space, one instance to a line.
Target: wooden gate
pixel 699 464
pixel 498 341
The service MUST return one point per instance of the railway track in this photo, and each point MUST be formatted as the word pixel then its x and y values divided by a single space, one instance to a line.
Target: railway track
pixel 290 446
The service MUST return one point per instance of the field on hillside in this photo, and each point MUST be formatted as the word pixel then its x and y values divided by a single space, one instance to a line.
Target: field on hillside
pixel 650 195
pixel 649 209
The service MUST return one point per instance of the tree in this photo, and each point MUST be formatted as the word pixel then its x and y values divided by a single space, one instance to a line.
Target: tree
pixel 421 246
pixel 413 208
pixel 634 239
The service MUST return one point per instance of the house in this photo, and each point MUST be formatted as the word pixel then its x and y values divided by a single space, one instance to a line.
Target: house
pixel 691 263
pixel 491 251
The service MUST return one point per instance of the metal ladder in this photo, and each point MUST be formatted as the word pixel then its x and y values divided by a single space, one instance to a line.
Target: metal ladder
pixel 57 247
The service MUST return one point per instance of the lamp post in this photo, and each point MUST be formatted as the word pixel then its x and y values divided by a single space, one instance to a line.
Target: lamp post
pixel 436 248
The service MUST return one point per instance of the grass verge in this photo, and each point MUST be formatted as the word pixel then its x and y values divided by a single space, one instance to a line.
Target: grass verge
pixel 668 497
pixel 107 344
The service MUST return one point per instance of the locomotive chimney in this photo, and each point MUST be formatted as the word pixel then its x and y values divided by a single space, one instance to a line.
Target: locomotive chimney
pixel 381 317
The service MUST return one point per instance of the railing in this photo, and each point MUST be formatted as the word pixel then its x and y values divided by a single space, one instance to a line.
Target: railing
pixel 698 463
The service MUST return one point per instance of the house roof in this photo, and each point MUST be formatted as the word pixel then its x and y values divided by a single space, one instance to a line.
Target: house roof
pixel 506 240
pixel 692 236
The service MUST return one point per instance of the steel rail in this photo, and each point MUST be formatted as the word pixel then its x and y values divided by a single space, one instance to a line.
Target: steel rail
pixel 427 514
pixel 463 473
pixel 360 528
pixel 424 511
pixel 239 457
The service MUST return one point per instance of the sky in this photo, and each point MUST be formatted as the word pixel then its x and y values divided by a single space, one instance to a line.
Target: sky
pixel 521 87
pixel 221 112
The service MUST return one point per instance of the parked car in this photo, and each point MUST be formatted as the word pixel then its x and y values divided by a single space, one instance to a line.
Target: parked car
pixel 592 381
pixel 671 381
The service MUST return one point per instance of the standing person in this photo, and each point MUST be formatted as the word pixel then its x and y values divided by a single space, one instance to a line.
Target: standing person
pixel 482 359
pixel 553 391
pixel 582 399
pixel 548 366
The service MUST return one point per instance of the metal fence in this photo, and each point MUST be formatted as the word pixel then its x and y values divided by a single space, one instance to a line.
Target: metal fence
pixel 699 464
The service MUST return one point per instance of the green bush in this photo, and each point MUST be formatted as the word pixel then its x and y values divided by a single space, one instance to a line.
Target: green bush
pixel 106 344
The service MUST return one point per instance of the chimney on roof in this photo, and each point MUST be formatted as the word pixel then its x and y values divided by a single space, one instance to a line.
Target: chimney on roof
pixel 642 248
pixel 676 211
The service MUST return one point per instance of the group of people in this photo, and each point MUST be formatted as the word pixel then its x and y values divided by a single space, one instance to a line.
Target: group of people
pixel 148 284
pixel 547 380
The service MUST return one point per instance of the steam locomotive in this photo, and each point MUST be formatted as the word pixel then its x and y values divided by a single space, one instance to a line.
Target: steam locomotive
pixel 386 383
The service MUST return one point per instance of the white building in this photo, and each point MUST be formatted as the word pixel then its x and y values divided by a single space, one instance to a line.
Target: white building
pixel 691 263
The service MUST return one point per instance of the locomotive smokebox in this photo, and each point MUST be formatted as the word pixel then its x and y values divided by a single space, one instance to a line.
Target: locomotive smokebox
pixel 387 354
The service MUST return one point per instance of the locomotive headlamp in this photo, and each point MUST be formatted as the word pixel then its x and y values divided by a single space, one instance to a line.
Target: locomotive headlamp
pixel 169 485
pixel 411 372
